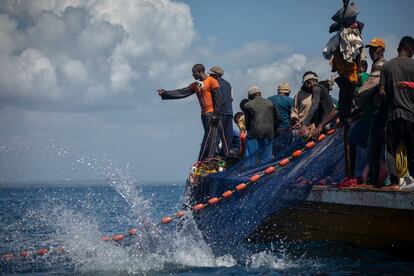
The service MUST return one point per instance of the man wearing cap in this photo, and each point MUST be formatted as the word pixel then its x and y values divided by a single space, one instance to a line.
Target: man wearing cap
pixel 374 108
pixel 321 105
pixel 226 119
pixel 283 103
pixel 207 90
pixel 262 121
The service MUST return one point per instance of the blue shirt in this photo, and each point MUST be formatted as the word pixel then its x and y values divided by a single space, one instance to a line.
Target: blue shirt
pixel 284 105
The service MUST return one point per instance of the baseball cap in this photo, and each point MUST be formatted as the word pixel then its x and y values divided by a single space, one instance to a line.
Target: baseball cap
pixel 253 90
pixel 217 70
pixel 376 42
pixel 284 87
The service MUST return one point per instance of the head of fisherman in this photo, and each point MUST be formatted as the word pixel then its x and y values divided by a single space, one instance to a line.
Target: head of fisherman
pixel 284 88
pixel 216 72
pixel 254 92
pixel 310 79
pixel 406 47
pixel 199 72
pixel 376 48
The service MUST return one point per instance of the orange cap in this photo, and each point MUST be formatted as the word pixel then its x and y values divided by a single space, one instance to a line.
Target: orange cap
pixel 376 42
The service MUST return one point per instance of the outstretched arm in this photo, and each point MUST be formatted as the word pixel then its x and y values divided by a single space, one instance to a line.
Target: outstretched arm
pixel 175 94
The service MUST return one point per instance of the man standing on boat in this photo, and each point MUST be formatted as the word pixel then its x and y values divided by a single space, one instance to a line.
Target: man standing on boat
pixel 262 121
pixel 374 110
pixel 400 112
pixel 284 104
pixel 226 116
pixel 207 90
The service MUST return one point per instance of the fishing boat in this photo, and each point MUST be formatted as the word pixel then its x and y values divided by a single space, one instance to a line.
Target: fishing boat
pixel 296 197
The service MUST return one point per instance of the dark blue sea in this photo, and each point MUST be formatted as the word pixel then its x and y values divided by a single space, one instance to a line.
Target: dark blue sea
pixel 70 222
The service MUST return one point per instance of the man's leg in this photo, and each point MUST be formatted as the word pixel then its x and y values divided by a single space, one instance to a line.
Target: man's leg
pixel 394 134
pixel 226 133
pixel 209 143
pixel 409 145
pixel 375 145
pixel 252 146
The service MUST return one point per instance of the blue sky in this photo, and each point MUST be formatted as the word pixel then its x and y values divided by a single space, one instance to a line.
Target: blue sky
pixel 77 89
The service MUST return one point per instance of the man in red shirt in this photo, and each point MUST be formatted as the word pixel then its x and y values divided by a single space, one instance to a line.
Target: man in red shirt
pixel 207 90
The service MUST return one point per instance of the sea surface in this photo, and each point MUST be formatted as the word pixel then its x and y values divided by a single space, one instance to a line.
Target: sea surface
pixel 71 221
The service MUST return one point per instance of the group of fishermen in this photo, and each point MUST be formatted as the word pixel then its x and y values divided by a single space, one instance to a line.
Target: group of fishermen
pixel 381 111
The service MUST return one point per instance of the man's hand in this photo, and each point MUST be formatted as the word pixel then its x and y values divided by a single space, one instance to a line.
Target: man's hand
pixel 160 91
pixel 215 118
pixel 401 84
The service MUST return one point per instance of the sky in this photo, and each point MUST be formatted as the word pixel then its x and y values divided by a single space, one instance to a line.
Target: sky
pixel 78 78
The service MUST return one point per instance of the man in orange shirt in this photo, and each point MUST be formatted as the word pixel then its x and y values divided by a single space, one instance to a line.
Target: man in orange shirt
pixel 207 90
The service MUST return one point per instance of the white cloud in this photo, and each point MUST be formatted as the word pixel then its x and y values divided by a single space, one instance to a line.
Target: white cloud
pixel 89 51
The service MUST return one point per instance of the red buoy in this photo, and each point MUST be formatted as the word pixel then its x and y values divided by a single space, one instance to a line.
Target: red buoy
pixel 24 253
pixel 117 237
pixel 227 194
pixel 270 170
pixel 166 220
pixel 198 207
pixel 213 200
pixel 7 256
pixel 241 186
pixel 105 238
pixel 284 162
pixel 296 153
pixel 42 251
pixel 331 131
pixel 133 231
pixel 321 137
pixel 310 144
pixel 255 178
pixel 180 214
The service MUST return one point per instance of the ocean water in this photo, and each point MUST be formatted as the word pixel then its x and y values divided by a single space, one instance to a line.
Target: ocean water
pixel 70 222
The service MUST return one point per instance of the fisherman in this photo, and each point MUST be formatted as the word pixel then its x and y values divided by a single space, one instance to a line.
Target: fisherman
pixel 240 121
pixel 400 111
pixel 284 104
pixel 207 90
pixel 321 105
pixel 262 121
pixel 301 105
pixel 374 108
pixel 226 118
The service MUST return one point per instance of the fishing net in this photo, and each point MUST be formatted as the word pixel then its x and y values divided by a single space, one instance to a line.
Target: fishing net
pixel 232 220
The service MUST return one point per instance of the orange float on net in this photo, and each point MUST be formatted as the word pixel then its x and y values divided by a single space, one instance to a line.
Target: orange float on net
pixel 7 256
pixel 198 207
pixel 255 178
pixel 42 251
pixel 166 220
pixel 180 214
pixel 270 170
pixel 227 194
pixel 105 238
pixel 310 144
pixel 133 231
pixel 118 237
pixel 331 131
pixel 284 162
pixel 213 201
pixel 321 137
pixel 24 254
pixel 296 153
pixel 241 186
